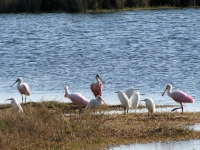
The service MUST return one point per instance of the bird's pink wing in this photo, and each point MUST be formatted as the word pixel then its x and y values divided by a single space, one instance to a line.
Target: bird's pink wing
pixel 96 90
pixel 181 97
pixel 24 89
pixel 78 99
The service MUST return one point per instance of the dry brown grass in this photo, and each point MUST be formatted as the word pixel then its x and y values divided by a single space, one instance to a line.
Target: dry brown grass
pixel 43 126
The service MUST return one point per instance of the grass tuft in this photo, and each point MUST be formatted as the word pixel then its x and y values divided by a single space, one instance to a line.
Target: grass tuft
pixel 44 125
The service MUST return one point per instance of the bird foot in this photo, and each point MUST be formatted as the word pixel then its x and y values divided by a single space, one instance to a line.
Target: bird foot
pixel 177 108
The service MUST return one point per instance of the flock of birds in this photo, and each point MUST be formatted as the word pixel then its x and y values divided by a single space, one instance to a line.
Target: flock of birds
pixel 96 88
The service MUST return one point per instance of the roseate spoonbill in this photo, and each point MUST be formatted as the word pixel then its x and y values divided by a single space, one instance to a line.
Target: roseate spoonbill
pixel 76 98
pixel 124 100
pixel 136 100
pixel 23 88
pixel 95 103
pixel 150 104
pixel 130 92
pixel 97 87
pixel 15 104
pixel 178 96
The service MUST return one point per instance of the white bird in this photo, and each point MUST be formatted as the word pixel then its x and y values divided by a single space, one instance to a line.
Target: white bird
pixel 150 104
pixel 130 92
pixel 124 100
pixel 23 88
pixel 136 100
pixel 95 103
pixel 15 104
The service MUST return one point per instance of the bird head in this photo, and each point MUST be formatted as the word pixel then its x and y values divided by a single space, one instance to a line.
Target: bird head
pixel 11 99
pixel 100 98
pixel 98 77
pixel 169 86
pixel 18 80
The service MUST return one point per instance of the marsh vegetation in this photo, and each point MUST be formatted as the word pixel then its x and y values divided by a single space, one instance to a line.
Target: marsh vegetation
pixel 44 125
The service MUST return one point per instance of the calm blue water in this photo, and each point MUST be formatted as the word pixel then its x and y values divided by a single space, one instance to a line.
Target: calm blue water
pixel 146 49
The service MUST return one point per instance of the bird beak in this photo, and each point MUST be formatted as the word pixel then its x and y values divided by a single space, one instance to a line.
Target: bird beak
pixel 8 99
pixel 164 92
pixel 14 83
pixel 143 100
pixel 102 80
pixel 103 100
pixel 142 94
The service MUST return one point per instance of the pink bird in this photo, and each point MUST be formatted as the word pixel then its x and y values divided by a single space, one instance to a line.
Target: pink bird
pixel 76 98
pixel 23 88
pixel 178 96
pixel 97 87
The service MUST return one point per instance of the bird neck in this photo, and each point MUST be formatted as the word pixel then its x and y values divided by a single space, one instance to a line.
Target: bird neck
pixel 98 81
pixel 169 91
pixel 66 91
pixel 19 83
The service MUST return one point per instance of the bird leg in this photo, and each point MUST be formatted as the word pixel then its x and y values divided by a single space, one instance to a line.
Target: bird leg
pixel 25 99
pixel 79 110
pixel 124 110
pixel 178 108
pixel 22 98
pixel 182 107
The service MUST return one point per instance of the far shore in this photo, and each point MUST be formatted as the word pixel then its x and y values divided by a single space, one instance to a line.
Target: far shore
pixel 77 6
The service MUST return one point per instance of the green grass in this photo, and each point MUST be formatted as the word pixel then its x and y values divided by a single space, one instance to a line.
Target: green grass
pixel 44 126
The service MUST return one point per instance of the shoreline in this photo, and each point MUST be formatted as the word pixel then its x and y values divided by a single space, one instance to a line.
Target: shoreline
pixel 43 126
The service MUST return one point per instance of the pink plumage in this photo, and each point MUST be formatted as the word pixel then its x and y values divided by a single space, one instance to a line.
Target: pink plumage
pixel 97 87
pixel 178 96
pixel 181 97
pixel 24 89
pixel 76 98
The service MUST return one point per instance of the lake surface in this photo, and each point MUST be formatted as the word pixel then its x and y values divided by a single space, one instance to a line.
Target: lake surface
pixel 170 145
pixel 146 49
pixel 165 145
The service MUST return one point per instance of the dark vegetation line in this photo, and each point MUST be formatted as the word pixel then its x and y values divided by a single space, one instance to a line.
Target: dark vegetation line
pixel 35 6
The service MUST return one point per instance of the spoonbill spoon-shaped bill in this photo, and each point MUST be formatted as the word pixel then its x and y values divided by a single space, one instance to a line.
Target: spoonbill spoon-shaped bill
pixel 97 87
pixel 76 98
pixel 130 92
pixel 15 104
pixel 95 103
pixel 150 105
pixel 136 100
pixel 178 96
pixel 124 100
pixel 23 88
